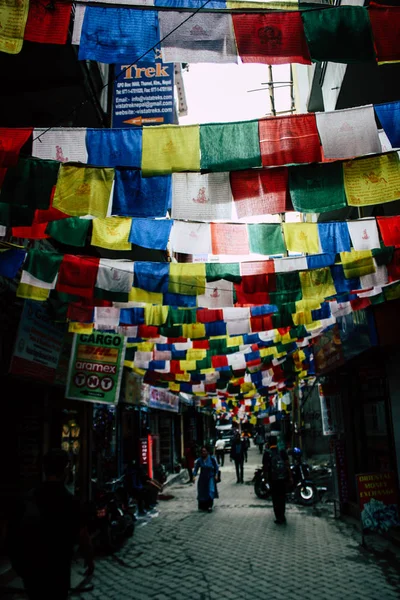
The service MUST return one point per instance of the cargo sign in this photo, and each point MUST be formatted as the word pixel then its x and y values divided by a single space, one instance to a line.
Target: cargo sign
pixel 95 368
pixel 378 500
pixel 143 94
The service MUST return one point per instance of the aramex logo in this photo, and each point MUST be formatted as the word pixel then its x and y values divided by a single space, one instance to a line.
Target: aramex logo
pixel 95 367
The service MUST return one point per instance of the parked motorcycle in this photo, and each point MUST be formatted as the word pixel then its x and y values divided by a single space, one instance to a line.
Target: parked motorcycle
pixel 305 490
pixel 261 485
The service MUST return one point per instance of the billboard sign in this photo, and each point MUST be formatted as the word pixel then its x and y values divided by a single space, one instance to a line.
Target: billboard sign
pixel 378 501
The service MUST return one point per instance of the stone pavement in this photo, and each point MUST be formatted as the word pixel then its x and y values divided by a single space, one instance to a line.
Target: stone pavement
pixel 238 553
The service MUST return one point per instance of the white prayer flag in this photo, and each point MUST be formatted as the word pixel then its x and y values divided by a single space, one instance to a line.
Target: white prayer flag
pixel 201 197
pixel 218 294
pixel 62 144
pixel 191 238
pixel 106 317
pixel 286 265
pixel 238 327
pixel 364 234
pixel 377 279
pixel 79 15
pixel 31 280
pixel 115 275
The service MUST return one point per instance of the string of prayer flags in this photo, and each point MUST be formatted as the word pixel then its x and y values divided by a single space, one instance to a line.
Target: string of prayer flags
pixel 169 148
pixel 372 180
pixel 343 36
pixel 385 24
pixel 48 24
pixel 13 17
pixel 83 191
pixel 274 38
pixel 389 116
pixel 11 142
pixel 77 275
pixel 317 188
pixel 60 143
pixel 114 147
pixel 199 197
pixel 72 231
pixel 227 238
pixel 112 233
pixel 118 35
pixel 30 183
pixel 230 146
pixel 301 237
pixel 115 275
pixel 260 192
pixel 205 37
pixel 364 234
pixel 191 238
pixel 188 279
pixel 348 133
pixel 357 263
pixel 389 228
pixel 266 238
pixel 151 233
pixel 137 196
pixel 288 140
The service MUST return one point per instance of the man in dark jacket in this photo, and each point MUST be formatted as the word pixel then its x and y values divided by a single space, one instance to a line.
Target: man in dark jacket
pixel 238 451
pixel 277 470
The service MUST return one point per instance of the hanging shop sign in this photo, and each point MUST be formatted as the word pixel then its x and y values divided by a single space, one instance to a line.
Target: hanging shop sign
pixel 144 94
pixel 95 367
pixel 378 501
pixel 38 344
pixel 163 400
pixel 331 412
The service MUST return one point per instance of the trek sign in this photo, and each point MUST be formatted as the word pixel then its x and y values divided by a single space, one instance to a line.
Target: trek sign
pixel 95 368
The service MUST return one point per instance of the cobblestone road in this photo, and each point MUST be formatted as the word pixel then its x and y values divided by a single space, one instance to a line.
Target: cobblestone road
pixel 237 552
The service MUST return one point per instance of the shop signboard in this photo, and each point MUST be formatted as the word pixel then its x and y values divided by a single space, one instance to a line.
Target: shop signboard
pixel 378 501
pixel 95 367
pixel 331 411
pixel 341 471
pixel 163 400
pixel 38 344
pixel 144 94
pixel 328 352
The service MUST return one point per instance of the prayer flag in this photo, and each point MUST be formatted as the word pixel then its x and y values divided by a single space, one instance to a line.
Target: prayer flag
pixel 72 231
pixel 30 183
pixel 188 279
pixel 374 180
pixel 357 263
pixel 317 285
pixel 385 24
pixel 151 233
pixel 137 196
pixel 33 281
pixel 191 238
pixel 227 271
pixel 13 17
pixel 64 144
pixel 287 288
pixel 112 233
pixel 11 142
pixel 389 228
pixel 205 37
pixel 288 264
pixel 318 261
pixel 170 148
pixel 118 35
pixel 30 292
pixel 348 133
pixel 115 275
pixel 274 38
pixel 342 34
pixel 334 237
pixel 301 237
pixel 114 147
pixel 377 279
pixel 34 232
pixel 266 239
pixel 364 234
pixel 198 197
pixel 343 284
pixel 288 140
pixel 48 24
pixel 153 277
pixel 317 188
pixel 11 261
pixel 43 265
pixel 394 267
pixel 260 192
pixel 227 238
pixel 77 275
pixel 230 146
pixel 389 116
pixel 83 191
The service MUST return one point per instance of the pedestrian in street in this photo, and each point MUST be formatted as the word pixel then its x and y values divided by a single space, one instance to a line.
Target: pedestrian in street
pixel 41 536
pixel 277 470
pixel 220 451
pixel 207 485
pixel 260 441
pixel 237 455
pixel 246 444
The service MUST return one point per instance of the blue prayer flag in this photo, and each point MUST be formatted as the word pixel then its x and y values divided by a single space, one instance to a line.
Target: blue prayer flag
pixel 342 284
pixel 150 233
pixel 114 147
pixel 334 237
pixel 389 116
pixel 319 261
pixel 10 262
pixel 179 300
pixel 137 196
pixel 152 277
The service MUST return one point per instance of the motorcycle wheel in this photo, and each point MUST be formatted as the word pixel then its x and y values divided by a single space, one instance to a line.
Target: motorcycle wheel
pixel 305 494
pixel 260 491
pixel 113 537
pixel 130 528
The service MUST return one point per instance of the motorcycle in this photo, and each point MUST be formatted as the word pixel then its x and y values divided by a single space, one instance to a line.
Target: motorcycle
pixel 261 485
pixel 305 491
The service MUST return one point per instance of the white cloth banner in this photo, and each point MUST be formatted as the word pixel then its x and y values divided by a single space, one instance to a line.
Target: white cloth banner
pixel 191 238
pixel 238 327
pixel 204 37
pixel 219 294
pixel 199 197
pixel 286 265
pixel 232 314
pixel 106 317
pixel 348 133
pixel 237 361
pixel 62 144
pixel 377 279
pixel 115 275
pixel 364 234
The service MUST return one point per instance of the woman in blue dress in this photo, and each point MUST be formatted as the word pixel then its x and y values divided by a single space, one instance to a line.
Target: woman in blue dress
pixel 207 484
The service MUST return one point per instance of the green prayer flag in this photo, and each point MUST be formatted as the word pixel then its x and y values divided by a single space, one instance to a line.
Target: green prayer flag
pixel 217 346
pixel 383 255
pixel 30 183
pixel 317 188
pixel 378 299
pixel 12 215
pixel 42 264
pixel 288 289
pixel 298 332
pixel 230 272
pixel 340 34
pixel 111 296
pixel 204 363
pixel 175 331
pixel 178 316
pixel 392 291
pixel 72 231
pixel 284 317
pixel 230 146
pixel 266 238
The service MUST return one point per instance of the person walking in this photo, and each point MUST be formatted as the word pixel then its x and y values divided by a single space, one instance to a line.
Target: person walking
pixel 220 451
pixel 246 443
pixel 237 455
pixel 207 485
pixel 277 470
pixel 260 441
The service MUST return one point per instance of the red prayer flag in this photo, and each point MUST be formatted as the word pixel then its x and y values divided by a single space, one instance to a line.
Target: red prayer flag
pixel 148 331
pixel 34 232
pixel 263 323
pixel 257 267
pixel 389 228
pixel 229 238
pixel 48 22
pixel 81 314
pixel 11 142
pixel 385 23
pixel 209 315
pixel 360 303
pixel 394 267
pixel 287 140
pixel 274 38
pixel 260 192
pixel 219 361
pixel 201 344
pixel 77 275
pixel 49 214
pixel 252 290
pixel 3 173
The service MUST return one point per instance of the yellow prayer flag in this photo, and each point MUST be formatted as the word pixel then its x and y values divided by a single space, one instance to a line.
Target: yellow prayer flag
pixel 139 295
pixel 155 314
pixel 196 354
pixel 75 327
pixel 373 180
pixel 129 364
pixel 286 339
pixel 83 190
pixel 194 330
pixel 187 278
pixel 183 377
pixel 317 284
pixel 13 16
pixel 145 346
pixel 187 365
pixel 31 292
pixel 170 149
pixel 112 233
pixel 253 420
pixel 357 263
pixel 301 237
pixel 236 340
pixel 207 371
pixel 174 387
